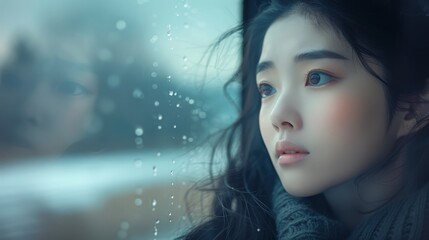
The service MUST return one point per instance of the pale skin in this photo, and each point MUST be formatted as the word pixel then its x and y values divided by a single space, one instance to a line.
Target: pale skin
pixel 341 118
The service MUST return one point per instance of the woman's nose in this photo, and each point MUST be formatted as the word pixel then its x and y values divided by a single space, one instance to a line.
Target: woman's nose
pixel 285 114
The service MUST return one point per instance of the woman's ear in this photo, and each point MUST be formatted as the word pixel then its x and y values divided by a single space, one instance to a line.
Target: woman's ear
pixel 417 114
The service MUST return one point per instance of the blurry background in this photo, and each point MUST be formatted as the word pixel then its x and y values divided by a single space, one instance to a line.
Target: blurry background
pixel 104 106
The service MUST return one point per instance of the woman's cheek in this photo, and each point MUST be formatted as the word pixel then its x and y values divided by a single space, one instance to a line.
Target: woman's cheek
pixel 340 116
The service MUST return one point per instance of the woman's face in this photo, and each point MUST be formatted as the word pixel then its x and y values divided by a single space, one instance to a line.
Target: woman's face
pixel 323 117
pixel 43 113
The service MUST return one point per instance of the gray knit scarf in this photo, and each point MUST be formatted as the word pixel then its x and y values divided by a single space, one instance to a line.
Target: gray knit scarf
pixel 299 218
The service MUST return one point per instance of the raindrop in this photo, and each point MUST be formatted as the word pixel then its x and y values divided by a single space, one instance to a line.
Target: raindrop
pixel 258 230
pixel 169 77
pixel 153 39
pixel 170 93
pixel 155 231
pixel 138 163
pixel 184 137
pixel 174 126
pixel 155 64
pixel 173 161
pixel 186 5
pixel 159 127
pixel 138 140
pixel 154 74
pixel 158 154
pixel 172 197
pixel 139 131
pixel 125 225
pixel 154 86
pixel 190 139
pixel 154 174
pixel 171 173
pixel 169 214
pixel 138 202
pixel 137 93
pixel 156 103
pixel 160 117
pixel 202 115
pixel 121 25
pixel 185 58
pixel 157 221
pixel 191 101
pixel 186 25
pixel 170 220
pixel 154 203
pixel 178 105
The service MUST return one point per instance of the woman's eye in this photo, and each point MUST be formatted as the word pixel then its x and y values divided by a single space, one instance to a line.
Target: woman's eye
pixel 318 78
pixel 266 90
pixel 71 88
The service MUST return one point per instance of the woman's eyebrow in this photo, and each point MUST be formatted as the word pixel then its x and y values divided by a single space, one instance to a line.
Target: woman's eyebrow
pixel 318 54
pixel 312 55
pixel 262 66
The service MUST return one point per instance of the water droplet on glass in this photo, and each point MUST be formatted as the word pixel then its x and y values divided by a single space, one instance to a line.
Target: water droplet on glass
pixel 159 127
pixel 155 64
pixel 121 25
pixel 169 220
pixel 174 126
pixel 154 86
pixel 185 58
pixel 139 131
pixel 191 101
pixel 171 173
pixel 155 231
pixel 138 163
pixel 160 117
pixel 137 93
pixel 138 202
pixel 169 214
pixel 153 39
pixel 169 77
pixel 202 115
pixel 138 140
pixel 170 93
pixel 178 105
pixel 158 154
pixel 186 25
pixel 154 74
pixel 154 174
pixel 173 161
pixel 184 137
pixel 190 139
pixel 156 103
pixel 258 230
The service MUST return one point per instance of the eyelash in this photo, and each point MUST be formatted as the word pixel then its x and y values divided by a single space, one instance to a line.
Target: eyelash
pixel 262 86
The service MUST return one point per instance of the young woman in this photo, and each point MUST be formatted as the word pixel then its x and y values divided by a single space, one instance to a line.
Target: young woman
pixel 333 132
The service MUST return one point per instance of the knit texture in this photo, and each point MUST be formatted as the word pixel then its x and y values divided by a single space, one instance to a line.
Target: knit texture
pixel 297 218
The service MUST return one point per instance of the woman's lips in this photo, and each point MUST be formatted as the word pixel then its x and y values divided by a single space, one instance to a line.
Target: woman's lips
pixel 288 152
pixel 286 159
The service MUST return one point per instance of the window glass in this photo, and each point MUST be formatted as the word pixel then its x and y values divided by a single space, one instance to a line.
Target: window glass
pixel 104 109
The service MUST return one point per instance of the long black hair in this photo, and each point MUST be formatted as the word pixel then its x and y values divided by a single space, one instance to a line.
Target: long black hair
pixel 392 34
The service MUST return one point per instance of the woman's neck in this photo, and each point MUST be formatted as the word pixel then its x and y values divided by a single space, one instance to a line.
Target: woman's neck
pixel 354 201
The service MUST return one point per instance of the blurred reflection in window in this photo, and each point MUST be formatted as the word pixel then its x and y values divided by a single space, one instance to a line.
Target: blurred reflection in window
pixel 104 106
